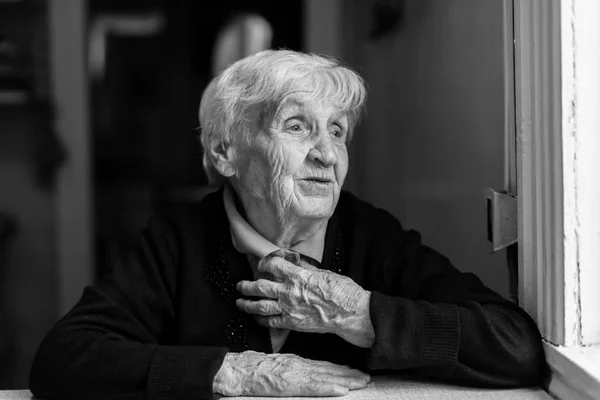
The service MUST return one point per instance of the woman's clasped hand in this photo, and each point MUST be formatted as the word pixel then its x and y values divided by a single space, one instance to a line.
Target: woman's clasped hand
pixel 307 299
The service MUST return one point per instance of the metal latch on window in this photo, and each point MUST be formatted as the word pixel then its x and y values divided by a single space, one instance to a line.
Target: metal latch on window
pixel 502 226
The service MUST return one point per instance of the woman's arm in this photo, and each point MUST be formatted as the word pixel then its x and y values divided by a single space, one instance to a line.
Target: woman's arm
pixel 109 344
pixel 469 343
pixel 429 316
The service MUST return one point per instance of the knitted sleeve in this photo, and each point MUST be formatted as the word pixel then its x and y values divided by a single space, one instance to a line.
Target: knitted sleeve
pixel 110 344
pixel 431 318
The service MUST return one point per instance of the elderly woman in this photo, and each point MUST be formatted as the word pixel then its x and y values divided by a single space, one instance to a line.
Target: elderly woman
pixel 282 284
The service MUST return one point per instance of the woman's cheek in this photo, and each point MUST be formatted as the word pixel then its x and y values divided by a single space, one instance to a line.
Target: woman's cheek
pixel 342 165
pixel 285 195
pixel 276 158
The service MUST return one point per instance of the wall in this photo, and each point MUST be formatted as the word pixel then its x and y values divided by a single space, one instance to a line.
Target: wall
pixel 433 138
pixel 73 193
pixel 29 300
pixel 581 142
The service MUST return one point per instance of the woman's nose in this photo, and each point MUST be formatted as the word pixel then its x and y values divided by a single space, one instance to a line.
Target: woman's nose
pixel 324 151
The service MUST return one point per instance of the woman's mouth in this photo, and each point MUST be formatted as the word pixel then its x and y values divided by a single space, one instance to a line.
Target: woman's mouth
pixel 316 186
pixel 317 179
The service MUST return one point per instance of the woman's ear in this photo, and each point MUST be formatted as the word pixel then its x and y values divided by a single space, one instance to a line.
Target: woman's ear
pixel 223 156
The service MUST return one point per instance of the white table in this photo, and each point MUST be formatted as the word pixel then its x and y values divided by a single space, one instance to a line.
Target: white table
pixel 395 388
pixel 15 394
pixel 414 388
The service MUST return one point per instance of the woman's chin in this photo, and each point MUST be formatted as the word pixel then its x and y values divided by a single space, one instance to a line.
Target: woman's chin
pixel 316 207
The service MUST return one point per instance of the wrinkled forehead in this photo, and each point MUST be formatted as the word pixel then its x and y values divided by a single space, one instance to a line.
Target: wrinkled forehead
pixel 311 92
pixel 306 101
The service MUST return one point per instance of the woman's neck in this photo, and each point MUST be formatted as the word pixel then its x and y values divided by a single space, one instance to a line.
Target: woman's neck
pixel 284 231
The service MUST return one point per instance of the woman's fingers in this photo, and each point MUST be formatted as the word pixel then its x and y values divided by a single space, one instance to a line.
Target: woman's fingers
pixel 324 385
pixel 345 376
pixel 259 307
pixel 271 321
pixel 287 254
pixel 259 288
pixel 343 372
pixel 349 382
pixel 326 390
pixel 355 373
pixel 352 383
pixel 351 373
pixel 279 267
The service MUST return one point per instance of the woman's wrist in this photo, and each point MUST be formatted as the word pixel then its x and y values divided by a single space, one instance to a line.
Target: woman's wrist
pixel 356 327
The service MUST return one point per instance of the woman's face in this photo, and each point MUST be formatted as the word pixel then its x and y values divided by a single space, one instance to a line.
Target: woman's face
pixel 297 160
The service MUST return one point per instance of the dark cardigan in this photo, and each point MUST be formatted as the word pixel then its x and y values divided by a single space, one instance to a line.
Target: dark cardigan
pixel 160 327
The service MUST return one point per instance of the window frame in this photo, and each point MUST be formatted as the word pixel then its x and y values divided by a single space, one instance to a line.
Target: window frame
pixel 557 90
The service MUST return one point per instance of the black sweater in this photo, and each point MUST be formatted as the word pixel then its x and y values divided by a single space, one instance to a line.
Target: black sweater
pixel 160 327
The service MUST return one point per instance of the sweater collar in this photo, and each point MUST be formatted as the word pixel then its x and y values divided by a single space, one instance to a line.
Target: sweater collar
pixel 248 241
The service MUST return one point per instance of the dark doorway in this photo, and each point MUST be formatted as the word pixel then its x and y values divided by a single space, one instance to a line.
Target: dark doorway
pixel 145 96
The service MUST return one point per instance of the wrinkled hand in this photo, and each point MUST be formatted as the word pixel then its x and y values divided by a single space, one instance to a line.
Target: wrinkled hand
pixel 258 374
pixel 307 299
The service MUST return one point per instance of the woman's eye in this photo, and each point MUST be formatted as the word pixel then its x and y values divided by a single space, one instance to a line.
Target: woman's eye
pixel 337 132
pixel 295 127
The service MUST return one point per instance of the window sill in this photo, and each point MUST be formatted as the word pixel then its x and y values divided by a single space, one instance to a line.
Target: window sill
pixel 575 372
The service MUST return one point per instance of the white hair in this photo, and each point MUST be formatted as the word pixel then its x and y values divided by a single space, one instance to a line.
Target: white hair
pixel 264 79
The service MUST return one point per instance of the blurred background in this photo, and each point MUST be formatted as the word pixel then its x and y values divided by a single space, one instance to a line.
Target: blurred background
pixel 98 128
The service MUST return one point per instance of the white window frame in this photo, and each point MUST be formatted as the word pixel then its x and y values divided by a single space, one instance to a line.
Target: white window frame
pixel 557 92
